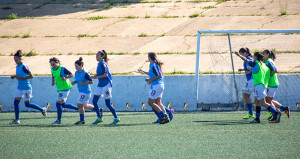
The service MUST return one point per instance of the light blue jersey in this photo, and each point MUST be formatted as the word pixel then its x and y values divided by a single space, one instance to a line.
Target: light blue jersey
pixel 83 77
pixel 254 66
pixel 101 69
pixel 154 71
pixel 23 71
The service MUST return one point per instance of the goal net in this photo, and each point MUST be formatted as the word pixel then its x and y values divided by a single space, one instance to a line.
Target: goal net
pixel 221 83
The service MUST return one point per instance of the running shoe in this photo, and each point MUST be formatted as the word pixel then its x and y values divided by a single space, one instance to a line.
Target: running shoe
pixel 15 122
pixel 116 120
pixel 287 112
pixel 248 116
pixel 98 121
pixel 80 122
pixel 255 121
pixel 57 122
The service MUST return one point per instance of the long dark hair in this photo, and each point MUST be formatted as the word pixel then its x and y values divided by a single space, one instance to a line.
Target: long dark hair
pixel 79 62
pixel 153 57
pixel 103 54
pixel 271 54
pixel 18 53
pixel 259 56
pixel 246 50
pixel 54 59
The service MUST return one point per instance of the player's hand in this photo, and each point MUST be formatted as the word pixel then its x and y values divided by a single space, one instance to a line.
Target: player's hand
pixel 236 53
pixel 249 68
pixel 148 80
pixel 140 70
pixel 63 78
pixel 240 69
pixel 52 84
pixel 74 82
pixel 18 78
pixel 93 77
pixel 13 77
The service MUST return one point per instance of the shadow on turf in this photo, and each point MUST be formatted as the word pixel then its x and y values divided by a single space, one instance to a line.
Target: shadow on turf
pixel 225 122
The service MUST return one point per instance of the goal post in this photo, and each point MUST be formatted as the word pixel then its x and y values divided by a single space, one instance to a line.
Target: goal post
pixel 223 63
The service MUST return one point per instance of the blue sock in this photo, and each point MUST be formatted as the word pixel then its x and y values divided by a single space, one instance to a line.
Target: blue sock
pixel 81 117
pixel 250 109
pixel 161 113
pixel 258 110
pixel 96 106
pixel 59 111
pixel 17 109
pixel 283 108
pixel 167 110
pixel 34 106
pixel 273 111
pixel 156 113
pixel 70 106
pixel 112 110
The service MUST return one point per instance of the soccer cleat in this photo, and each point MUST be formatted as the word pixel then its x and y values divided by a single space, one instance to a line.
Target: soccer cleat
pixel 171 114
pixel 255 121
pixel 116 120
pixel 15 122
pixel 79 122
pixel 287 112
pixel 98 121
pixel 157 121
pixel 248 116
pixel 164 119
pixel 278 116
pixel 273 121
pixel 57 122
pixel 44 112
pixel 270 116
pixel 101 111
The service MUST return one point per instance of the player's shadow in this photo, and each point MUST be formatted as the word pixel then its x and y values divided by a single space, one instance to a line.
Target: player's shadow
pixel 224 122
pixel 123 125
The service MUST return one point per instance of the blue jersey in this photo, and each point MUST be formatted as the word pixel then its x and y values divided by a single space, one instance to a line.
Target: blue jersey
pixel 154 71
pixel 101 69
pixel 254 66
pixel 23 71
pixel 83 77
pixel 248 76
pixel 271 66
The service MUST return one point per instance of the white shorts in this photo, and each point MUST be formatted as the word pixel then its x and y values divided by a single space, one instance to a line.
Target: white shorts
pixel 62 95
pixel 249 87
pixel 156 91
pixel 271 91
pixel 104 91
pixel 27 94
pixel 83 98
pixel 260 92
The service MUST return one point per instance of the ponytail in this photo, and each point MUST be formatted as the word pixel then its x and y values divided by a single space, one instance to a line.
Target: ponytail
pixel 103 54
pixel 153 57
pixel 246 50
pixel 271 54
pixel 79 62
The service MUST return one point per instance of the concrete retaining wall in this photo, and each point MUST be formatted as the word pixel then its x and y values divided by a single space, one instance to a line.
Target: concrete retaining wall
pixel 134 90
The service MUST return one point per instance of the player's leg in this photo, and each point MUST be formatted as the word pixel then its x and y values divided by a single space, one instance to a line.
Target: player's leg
pixel 81 114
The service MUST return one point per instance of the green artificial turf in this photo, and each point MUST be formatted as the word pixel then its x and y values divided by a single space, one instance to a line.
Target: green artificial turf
pixel 188 135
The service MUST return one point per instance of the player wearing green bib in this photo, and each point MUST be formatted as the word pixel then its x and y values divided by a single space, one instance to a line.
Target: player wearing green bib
pixel 273 84
pixel 261 76
pixel 60 77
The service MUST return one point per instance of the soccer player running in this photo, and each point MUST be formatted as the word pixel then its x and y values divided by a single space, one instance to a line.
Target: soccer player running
pixel 269 58
pixel 60 78
pixel 249 86
pixel 104 87
pixel 83 80
pixel 24 88
pixel 261 76
pixel 156 89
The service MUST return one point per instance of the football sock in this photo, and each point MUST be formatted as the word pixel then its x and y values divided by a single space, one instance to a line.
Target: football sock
pixel 34 106
pixel 81 117
pixel 70 106
pixel 273 111
pixel 250 109
pixel 258 110
pixel 96 106
pixel 59 111
pixel 17 109
pixel 109 106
